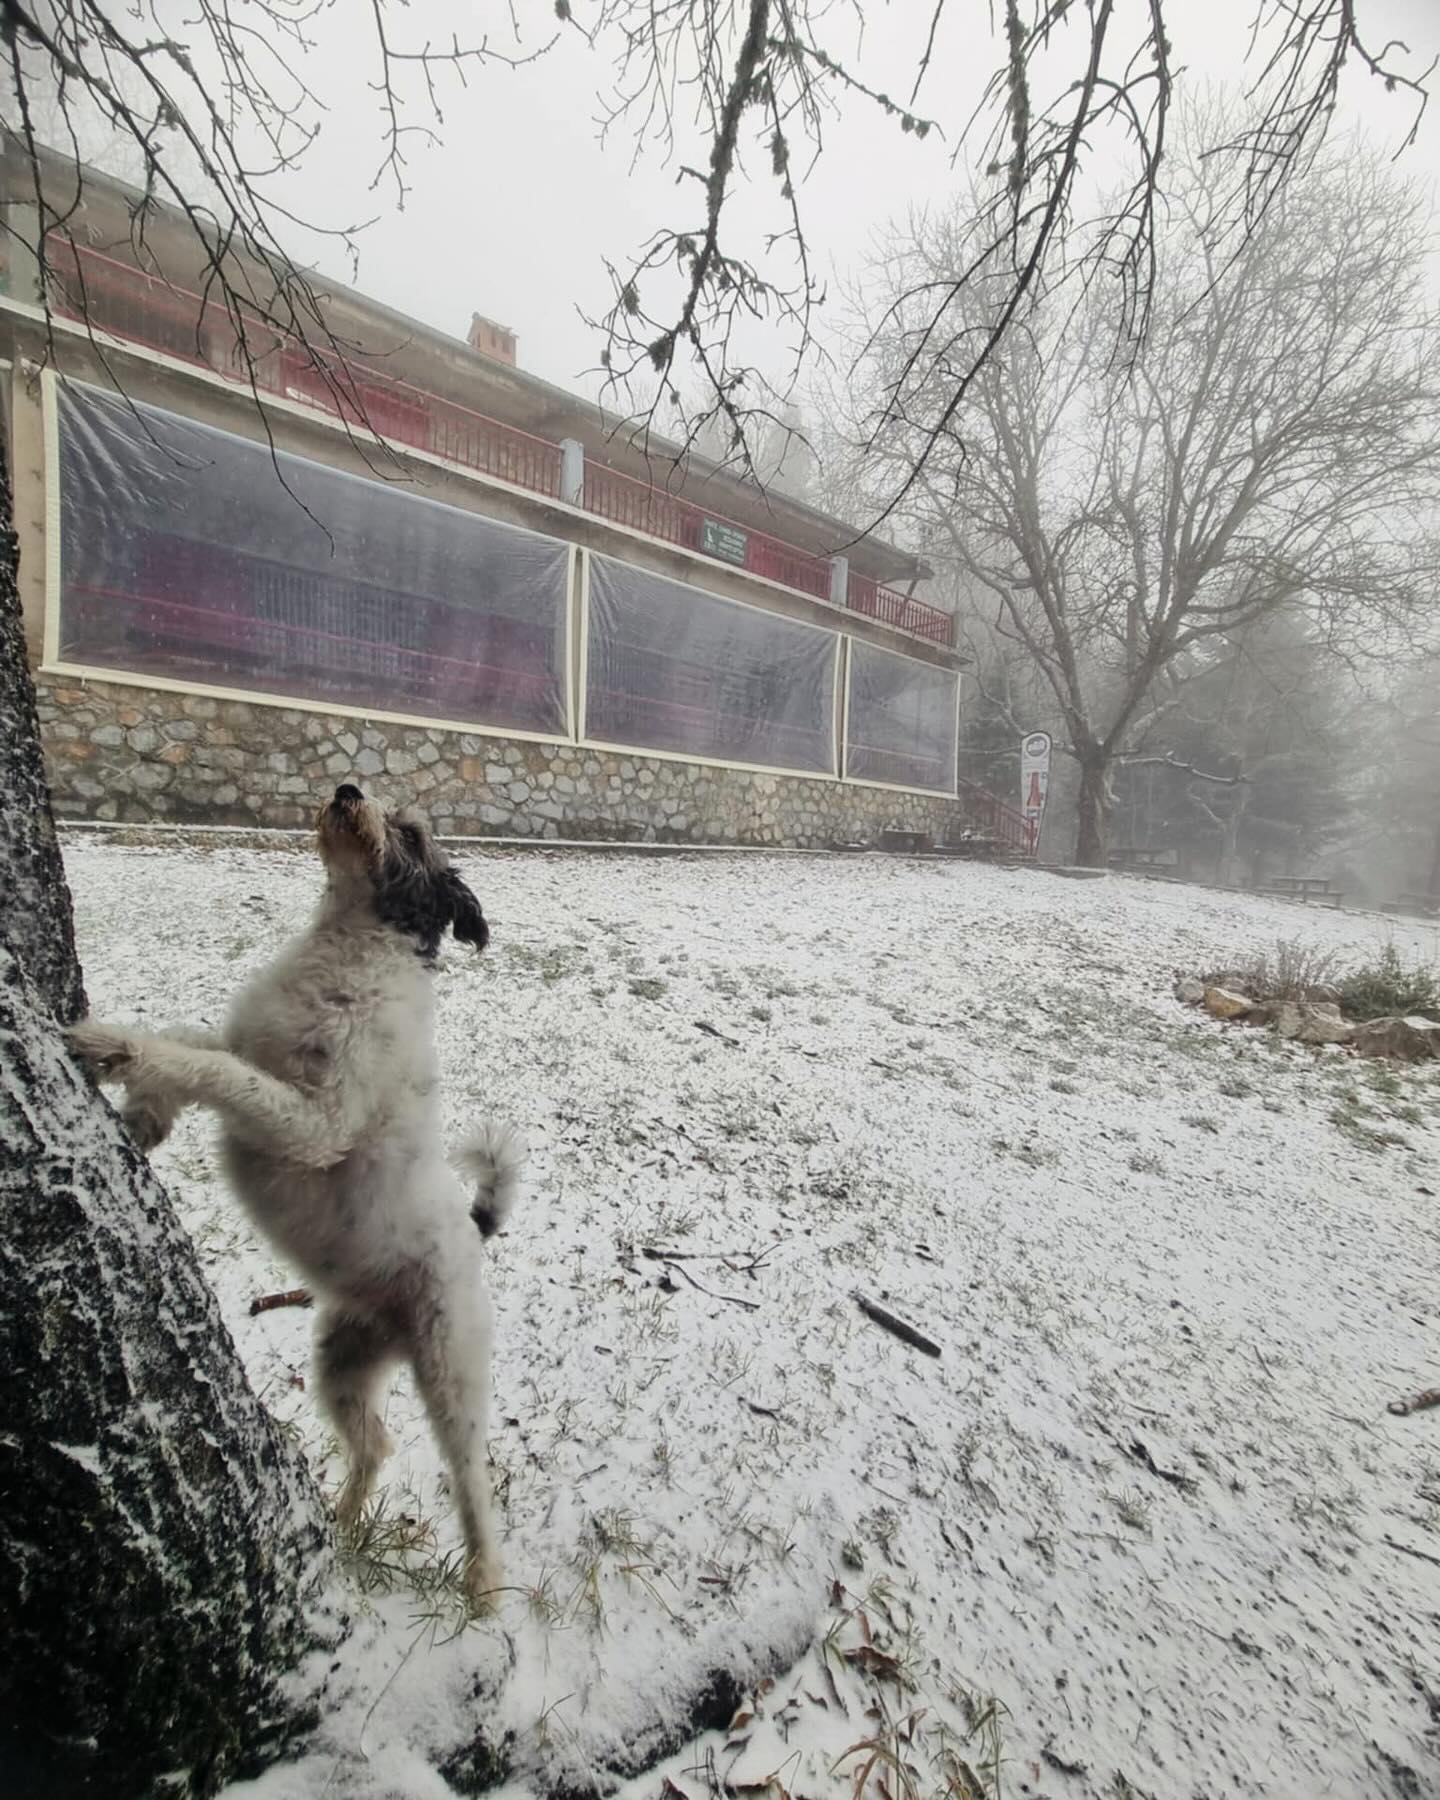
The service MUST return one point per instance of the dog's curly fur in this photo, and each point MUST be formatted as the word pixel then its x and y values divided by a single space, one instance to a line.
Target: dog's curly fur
pixel 326 1083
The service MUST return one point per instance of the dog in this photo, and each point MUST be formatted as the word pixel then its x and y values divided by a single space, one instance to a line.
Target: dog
pixel 325 1080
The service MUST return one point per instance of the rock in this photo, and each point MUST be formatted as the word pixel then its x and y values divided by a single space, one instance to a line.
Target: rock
pixel 1225 1003
pixel 1408 1040
pixel 1191 991
pixel 1302 1024
pixel 1080 874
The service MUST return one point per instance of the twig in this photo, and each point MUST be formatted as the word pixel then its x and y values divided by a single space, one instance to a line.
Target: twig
pixel 715 1032
pixel 751 1259
pixel 765 1412
pixel 1139 1453
pixel 906 1333
pixel 1416 1402
pixel 710 1294
pixel 1409 1550
pixel 293 1297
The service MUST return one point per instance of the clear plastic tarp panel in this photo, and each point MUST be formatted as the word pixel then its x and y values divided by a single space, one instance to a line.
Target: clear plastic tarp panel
pixel 900 725
pixel 194 554
pixel 673 668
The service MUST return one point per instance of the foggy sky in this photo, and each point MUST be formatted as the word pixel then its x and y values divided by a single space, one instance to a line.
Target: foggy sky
pixel 514 213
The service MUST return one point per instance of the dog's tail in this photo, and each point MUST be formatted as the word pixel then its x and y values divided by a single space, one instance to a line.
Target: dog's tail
pixel 492 1157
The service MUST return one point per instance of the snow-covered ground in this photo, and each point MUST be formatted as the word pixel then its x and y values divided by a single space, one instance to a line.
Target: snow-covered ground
pixel 1144 1528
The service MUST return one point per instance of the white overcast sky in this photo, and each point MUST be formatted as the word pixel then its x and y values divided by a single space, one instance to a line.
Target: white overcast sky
pixel 513 213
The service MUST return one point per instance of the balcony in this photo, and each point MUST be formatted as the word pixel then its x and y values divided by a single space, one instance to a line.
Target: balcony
pixel 117 298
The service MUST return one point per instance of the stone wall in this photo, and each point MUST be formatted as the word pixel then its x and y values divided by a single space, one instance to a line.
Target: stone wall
pixel 141 755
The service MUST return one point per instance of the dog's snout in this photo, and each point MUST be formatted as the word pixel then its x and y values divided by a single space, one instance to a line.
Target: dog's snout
pixel 348 794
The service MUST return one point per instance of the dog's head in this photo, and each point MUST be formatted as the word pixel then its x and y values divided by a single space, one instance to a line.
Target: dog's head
pixel 391 863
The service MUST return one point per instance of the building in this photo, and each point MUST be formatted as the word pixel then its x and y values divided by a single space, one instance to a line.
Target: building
pixel 249 567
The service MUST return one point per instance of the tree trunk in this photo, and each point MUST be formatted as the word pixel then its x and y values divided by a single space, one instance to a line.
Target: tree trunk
pixel 1092 832
pixel 164 1553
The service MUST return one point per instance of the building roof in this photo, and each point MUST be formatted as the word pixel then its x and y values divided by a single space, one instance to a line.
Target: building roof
pixel 445 365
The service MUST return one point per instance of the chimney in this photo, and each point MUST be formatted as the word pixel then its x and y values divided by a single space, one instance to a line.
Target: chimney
pixel 492 340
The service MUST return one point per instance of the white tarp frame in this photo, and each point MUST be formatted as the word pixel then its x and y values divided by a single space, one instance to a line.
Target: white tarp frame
pixel 674 669
pixel 196 555
pixel 901 721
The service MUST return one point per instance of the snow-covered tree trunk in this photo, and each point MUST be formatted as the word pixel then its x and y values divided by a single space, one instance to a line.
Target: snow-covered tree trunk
pixel 164 1553
pixel 1092 827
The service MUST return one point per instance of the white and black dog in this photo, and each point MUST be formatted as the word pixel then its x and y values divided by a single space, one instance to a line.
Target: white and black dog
pixel 326 1082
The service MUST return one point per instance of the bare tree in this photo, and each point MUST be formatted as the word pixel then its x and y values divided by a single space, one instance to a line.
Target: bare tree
pixel 712 83
pixel 215 107
pixel 1271 446
pixel 164 1552
pixel 1276 705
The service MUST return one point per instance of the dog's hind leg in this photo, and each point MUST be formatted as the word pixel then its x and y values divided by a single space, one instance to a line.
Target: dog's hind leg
pixel 351 1356
pixel 452 1371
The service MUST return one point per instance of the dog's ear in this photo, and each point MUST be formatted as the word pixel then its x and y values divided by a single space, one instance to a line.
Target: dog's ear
pixel 466 919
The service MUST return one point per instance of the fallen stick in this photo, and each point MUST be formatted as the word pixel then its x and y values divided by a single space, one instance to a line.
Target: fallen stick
pixel 1416 1402
pixel 269 1302
pixel 709 1293
pixel 1410 1550
pixel 906 1333
pixel 715 1032
pixel 765 1412
pixel 752 1259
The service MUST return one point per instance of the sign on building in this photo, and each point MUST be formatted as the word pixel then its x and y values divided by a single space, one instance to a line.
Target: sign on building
pixel 727 542
pixel 1034 779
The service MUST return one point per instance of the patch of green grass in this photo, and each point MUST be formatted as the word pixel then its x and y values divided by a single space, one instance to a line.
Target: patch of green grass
pixel 649 987
pixel 1352 1117
pixel 1133 1509
pixel 552 963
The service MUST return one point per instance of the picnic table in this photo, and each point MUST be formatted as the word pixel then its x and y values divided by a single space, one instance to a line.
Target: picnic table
pixel 1318 888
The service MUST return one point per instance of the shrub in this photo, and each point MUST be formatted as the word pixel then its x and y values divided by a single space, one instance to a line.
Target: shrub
pixel 1386 989
pixel 1289 974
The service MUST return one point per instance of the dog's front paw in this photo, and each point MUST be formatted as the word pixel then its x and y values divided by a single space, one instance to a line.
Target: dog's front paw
pixel 106 1051
pixel 148 1126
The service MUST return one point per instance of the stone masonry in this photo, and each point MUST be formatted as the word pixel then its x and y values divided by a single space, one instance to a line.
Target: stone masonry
pixel 142 755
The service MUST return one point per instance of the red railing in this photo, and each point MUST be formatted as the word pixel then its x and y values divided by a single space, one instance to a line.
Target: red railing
pixel 117 298
pixel 114 297
pixel 997 820
pixel 660 513
pixel 899 610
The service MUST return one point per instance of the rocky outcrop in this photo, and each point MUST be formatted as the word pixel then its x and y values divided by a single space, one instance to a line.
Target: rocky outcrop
pixel 1414 1039
pixel 1317 1019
